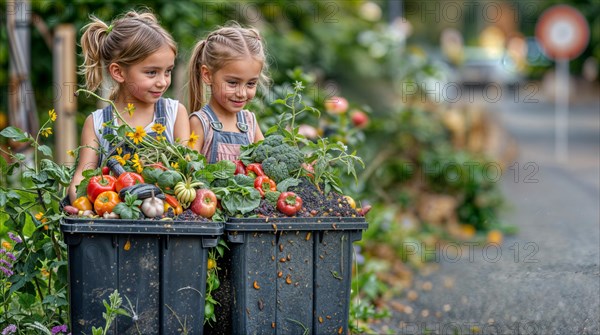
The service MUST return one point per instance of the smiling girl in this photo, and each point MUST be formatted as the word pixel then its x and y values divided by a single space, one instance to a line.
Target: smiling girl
pixel 138 56
pixel 231 63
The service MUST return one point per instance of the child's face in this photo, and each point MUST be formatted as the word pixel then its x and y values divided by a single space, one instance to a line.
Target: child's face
pixel 146 81
pixel 234 84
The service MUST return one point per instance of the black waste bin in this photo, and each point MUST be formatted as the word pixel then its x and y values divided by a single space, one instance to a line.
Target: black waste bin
pixel 291 275
pixel 160 266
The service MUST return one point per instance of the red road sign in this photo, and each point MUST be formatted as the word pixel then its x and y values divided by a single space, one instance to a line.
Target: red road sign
pixel 562 32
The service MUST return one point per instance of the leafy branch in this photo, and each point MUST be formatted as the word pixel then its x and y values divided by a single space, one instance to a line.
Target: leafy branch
pixel 295 106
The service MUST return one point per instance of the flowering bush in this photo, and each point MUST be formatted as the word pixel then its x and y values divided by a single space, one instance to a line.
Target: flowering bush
pixel 33 276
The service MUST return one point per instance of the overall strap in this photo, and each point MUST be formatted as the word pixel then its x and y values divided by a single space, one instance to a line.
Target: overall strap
pixel 107 119
pixel 241 122
pixel 213 121
pixel 215 124
pixel 160 113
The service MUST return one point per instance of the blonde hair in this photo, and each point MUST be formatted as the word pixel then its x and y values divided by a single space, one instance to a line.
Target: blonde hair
pixel 225 44
pixel 128 40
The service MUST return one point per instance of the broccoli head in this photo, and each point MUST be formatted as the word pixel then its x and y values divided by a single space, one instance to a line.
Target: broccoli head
pixel 279 160
pixel 273 140
pixel 266 147
pixel 277 170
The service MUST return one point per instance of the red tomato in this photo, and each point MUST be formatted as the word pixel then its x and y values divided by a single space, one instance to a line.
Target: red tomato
pixel 205 203
pixel 359 119
pixel 336 105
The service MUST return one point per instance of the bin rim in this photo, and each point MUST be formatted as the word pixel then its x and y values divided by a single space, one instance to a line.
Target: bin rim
pixel 150 227
pixel 296 223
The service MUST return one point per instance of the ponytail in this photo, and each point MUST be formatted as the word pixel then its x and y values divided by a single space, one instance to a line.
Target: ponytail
pixel 92 43
pixel 196 85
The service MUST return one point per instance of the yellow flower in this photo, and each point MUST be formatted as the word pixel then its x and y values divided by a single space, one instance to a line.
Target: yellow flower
pixel 44 272
pixel 119 159
pixel 138 135
pixel 193 139
pixel 137 163
pixel 175 165
pixel 161 138
pixel 130 109
pixel 71 153
pixel 119 150
pixel 52 115
pixel 40 217
pixel 6 245
pixel 158 128
pixel 122 159
pixel 46 132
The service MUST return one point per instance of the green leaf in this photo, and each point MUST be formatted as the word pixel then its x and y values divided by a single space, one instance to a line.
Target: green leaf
pixel 222 169
pixel 168 179
pixel 26 300
pixel 47 198
pixel 81 189
pixel 56 172
pixel 15 134
pixel 40 178
pixel 287 183
pixel 238 202
pixel 126 211
pixel 91 172
pixel 195 165
pixel 151 175
pixel 45 150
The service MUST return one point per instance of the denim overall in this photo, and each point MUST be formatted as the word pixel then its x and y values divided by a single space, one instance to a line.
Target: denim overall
pixel 223 138
pixel 107 118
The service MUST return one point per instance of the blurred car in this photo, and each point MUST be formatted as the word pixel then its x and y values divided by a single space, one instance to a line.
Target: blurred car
pixel 481 68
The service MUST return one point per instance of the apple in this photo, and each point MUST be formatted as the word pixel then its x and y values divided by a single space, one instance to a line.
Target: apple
pixel 359 119
pixel 336 105
pixel 205 203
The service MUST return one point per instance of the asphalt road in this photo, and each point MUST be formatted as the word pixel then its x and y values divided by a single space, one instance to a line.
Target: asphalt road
pixel 546 278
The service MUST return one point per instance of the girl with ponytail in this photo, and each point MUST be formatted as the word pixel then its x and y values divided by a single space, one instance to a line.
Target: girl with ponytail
pixel 229 65
pixel 136 56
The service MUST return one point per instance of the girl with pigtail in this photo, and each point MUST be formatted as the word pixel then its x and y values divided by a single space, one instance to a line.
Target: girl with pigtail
pixel 138 57
pixel 230 64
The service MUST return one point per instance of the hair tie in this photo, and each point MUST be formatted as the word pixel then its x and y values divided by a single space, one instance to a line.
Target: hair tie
pixel 109 29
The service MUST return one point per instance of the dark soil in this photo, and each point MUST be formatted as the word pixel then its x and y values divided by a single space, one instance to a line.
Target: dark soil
pixel 187 215
pixel 314 203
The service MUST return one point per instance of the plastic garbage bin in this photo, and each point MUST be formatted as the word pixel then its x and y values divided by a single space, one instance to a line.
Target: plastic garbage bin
pixel 160 266
pixel 291 275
